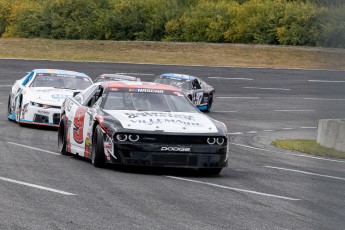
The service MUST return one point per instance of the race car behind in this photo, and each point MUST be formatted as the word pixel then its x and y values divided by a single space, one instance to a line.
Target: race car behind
pixel 199 92
pixel 37 97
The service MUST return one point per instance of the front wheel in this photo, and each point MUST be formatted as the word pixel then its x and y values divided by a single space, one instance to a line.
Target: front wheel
pixel 98 157
pixel 62 143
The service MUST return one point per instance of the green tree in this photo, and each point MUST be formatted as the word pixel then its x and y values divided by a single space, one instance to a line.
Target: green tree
pixel 301 24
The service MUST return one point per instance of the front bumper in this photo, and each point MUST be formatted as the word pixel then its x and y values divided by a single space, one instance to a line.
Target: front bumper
pixel 40 116
pixel 200 156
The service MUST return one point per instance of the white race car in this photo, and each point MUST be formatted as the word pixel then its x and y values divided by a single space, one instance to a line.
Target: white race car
pixel 37 97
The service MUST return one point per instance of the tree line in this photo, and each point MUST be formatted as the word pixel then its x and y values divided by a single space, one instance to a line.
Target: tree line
pixel 280 22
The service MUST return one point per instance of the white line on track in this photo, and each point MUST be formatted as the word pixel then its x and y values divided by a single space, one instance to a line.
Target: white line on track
pixel 29 147
pixel 37 186
pixel 266 88
pixel 250 147
pixel 326 81
pixel 270 130
pixel 252 132
pixel 232 78
pixel 294 110
pixel 234 189
pixel 305 172
pixel 6 85
pixel 238 97
pixel 326 99
pixel 291 154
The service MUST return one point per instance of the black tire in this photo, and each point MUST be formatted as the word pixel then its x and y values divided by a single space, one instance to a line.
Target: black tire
pixel 210 171
pixel 98 157
pixel 62 143
pixel 209 104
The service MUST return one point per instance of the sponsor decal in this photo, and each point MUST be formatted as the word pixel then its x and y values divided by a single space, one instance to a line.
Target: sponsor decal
pixel 68 137
pixel 175 149
pixel 108 148
pixel 157 118
pixel 87 145
pixel 59 96
pixel 43 112
pixel 158 121
pixel 158 114
pixel 25 110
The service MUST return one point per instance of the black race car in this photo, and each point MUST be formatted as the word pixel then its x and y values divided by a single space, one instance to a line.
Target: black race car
pixel 199 92
pixel 145 124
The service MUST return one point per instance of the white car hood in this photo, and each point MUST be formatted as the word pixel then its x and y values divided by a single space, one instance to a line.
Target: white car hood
pixel 173 122
pixel 48 94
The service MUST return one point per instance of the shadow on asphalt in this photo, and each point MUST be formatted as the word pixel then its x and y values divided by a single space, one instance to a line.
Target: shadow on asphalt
pixel 158 171
pixel 38 127
pixel 148 170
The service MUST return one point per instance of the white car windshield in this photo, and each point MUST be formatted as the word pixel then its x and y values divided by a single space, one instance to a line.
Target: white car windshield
pixel 148 102
pixel 61 81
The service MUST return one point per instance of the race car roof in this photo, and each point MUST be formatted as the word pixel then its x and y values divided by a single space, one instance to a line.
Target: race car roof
pixel 59 71
pixel 141 85
pixel 118 76
pixel 178 76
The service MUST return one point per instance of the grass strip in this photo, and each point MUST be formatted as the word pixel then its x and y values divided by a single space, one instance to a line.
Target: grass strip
pixel 308 146
pixel 207 54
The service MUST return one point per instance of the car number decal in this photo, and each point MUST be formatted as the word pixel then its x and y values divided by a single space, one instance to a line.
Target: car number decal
pixel 79 125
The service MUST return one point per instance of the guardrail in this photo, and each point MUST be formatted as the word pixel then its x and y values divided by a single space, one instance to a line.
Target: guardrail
pixel 331 133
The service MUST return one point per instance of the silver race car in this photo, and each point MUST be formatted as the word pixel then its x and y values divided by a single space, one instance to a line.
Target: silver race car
pixel 199 92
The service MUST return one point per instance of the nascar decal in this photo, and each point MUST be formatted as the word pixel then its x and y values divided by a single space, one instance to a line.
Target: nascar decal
pixel 146 91
pixel 165 121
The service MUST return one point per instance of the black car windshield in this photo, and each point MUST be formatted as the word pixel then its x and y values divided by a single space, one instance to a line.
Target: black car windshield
pixel 61 81
pixel 148 102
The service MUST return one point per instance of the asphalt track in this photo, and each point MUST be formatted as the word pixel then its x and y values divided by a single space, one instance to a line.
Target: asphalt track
pixel 263 187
